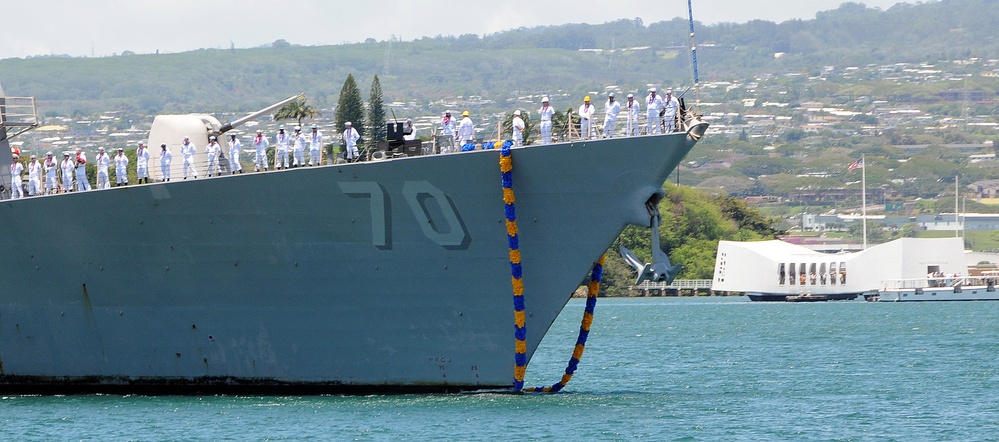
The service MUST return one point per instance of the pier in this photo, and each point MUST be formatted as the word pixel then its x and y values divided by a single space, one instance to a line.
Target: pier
pixel 679 287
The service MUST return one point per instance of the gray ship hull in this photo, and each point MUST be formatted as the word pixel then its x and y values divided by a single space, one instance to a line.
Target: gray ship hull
pixel 380 276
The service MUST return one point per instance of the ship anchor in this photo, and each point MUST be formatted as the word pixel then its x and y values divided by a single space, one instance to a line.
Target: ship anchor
pixel 660 269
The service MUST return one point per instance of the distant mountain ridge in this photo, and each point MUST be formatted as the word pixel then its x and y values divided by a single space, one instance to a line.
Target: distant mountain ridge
pixel 519 62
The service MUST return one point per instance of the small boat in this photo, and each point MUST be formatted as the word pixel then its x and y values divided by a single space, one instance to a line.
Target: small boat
pixel 953 288
pixel 806 297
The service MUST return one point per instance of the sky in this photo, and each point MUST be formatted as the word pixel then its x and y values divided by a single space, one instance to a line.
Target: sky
pixel 107 27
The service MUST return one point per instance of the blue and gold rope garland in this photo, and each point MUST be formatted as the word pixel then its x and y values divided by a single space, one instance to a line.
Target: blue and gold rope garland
pixel 516 272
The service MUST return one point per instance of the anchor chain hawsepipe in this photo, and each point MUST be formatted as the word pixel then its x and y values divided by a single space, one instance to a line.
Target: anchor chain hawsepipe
pixel 516 271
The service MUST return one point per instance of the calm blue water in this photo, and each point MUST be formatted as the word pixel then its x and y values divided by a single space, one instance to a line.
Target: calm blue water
pixel 711 369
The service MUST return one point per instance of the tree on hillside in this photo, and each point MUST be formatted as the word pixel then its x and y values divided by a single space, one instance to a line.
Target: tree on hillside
pixel 297 110
pixel 376 114
pixel 350 107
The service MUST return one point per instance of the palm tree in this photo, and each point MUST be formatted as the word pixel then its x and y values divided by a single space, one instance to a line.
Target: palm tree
pixel 297 110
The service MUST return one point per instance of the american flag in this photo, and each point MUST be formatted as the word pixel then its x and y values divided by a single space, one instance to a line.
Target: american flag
pixel 859 164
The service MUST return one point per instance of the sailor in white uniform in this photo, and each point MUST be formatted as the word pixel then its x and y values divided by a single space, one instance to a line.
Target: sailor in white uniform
pixel 448 127
pixel 586 111
pixel 671 105
pixel 518 128
pixel 15 177
pixel 315 146
pixel 611 109
pixel 547 112
pixel 34 177
pixel 103 161
pixel 188 149
pixel 260 143
pixel 213 150
pixel 234 147
pixel 142 162
pixel 654 105
pixel 634 109
pixel 165 159
pixel 299 147
pixel 350 137
pixel 51 167
pixel 281 153
pixel 68 170
pixel 81 171
pixel 466 130
pixel 121 168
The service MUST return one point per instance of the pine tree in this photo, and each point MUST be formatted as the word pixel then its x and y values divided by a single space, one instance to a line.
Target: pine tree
pixel 376 114
pixel 350 107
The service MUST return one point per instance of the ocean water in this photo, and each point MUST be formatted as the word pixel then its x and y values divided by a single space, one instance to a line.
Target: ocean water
pixel 688 369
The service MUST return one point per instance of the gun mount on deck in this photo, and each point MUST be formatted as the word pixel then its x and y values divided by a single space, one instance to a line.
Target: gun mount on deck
pixel 171 129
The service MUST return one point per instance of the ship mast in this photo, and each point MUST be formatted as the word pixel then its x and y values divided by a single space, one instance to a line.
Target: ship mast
pixel 693 57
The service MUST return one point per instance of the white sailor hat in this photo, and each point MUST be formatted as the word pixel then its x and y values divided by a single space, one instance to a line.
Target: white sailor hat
pixel 48 154
pixel 652 89
pixel 33 156
pixel 232 135
pixel 346 124
pixel 516 112
pixel 65 154
pixel 100 148
pixel 669 91
pixel 315 127
pixel 212 138
pixel 120 149
pixel 281 127
pixel 14 155
pixel 631 95
pixel 259 131
pixel 141 143
pixel 544 99
pixel 298 127
pixel 610 95
pixel 187 138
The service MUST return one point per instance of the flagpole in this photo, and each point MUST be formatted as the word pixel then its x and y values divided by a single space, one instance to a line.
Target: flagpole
pixel 863 195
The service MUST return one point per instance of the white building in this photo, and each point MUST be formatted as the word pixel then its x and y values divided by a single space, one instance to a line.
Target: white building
pixel 772 270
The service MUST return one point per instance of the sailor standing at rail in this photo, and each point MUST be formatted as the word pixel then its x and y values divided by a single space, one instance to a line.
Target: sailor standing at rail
pixel 586 111
pixel 188 150
pixel 350 137
pixel 121 168
pixel 103 161
pixel 547 112
pixel 466 130
pixel 634 108
pixel 51 168
pixel 315 146
pixel 142 163
pixel 68 170
pixel 611 109
pixel 260 143
pixel 655 105
pixel 15 177
pixel 281 153
pixel 213 150
pixel 448 127
pixel 670 105
pixel 518 126
pixel 81 170
pixel 165 159
pixel 299 147
pixel 34 177
pixel 234 147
